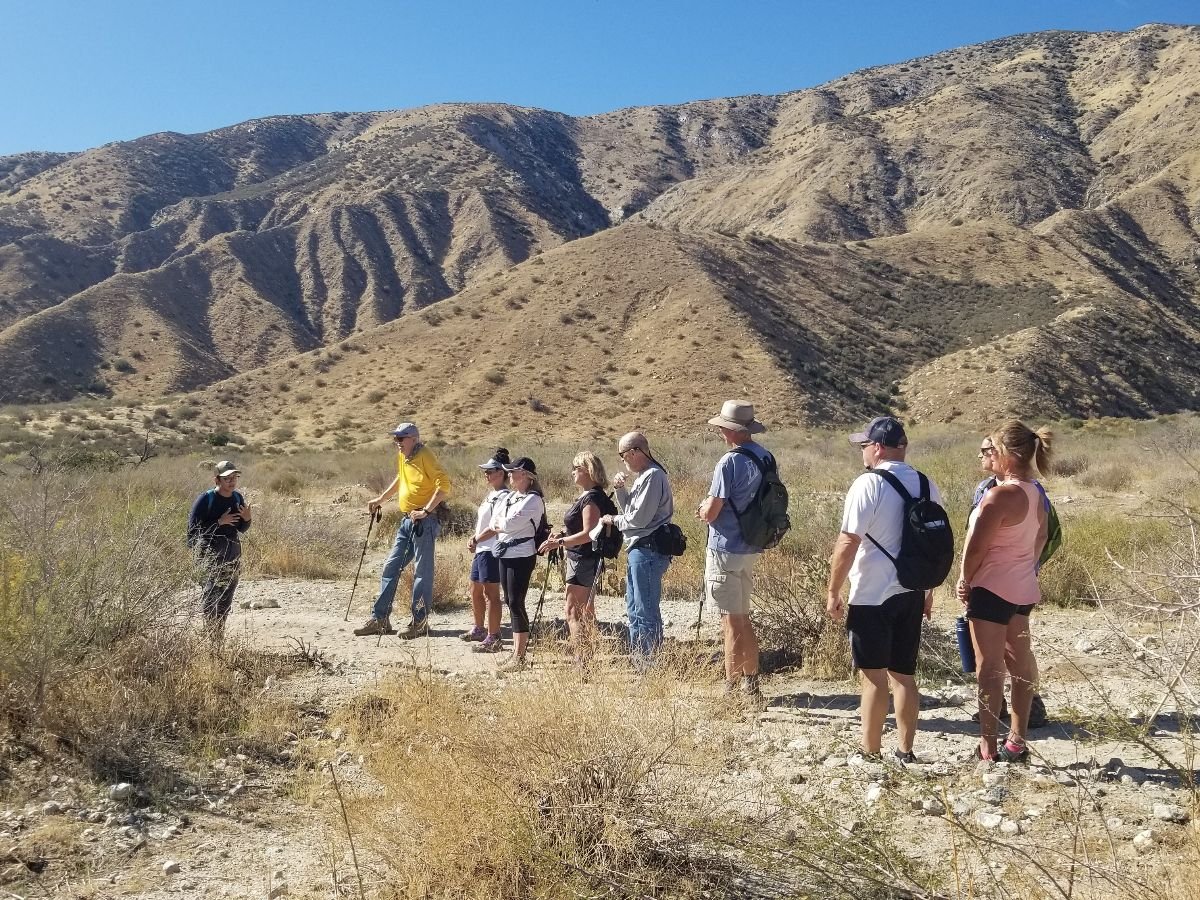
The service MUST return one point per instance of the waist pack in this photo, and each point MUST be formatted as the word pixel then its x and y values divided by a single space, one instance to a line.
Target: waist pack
pixel 926 539
pixel 667 539
pixel 500 548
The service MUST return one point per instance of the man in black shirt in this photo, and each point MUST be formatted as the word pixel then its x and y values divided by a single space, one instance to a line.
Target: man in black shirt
pixel 219 516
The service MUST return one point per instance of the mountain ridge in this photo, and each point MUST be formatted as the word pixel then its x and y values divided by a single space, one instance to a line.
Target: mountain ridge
pixel 806 215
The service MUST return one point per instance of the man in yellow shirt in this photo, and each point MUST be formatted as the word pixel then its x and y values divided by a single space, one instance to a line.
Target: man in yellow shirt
pixel 420 485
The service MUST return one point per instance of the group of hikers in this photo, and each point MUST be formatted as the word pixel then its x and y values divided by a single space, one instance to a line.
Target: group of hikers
pixel 895 545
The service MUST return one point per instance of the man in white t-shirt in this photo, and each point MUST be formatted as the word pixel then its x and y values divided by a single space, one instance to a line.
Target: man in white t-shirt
pixel 884 618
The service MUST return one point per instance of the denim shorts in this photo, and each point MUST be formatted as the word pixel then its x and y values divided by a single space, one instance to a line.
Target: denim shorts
pixel 485 568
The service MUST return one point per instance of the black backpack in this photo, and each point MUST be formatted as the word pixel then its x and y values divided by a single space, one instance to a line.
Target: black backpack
pixel 926 541
pixel 609 543
pixel 765 520
pixel 541 534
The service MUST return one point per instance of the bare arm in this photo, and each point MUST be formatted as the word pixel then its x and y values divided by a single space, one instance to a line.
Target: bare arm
pixel 709 509
pixel 388 493
pixel 839 570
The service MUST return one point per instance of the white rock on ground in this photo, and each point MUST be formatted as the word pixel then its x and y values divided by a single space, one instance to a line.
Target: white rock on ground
pixel 171 867
pixel 1169 812
pixel 122 791
pixel 1144 841
pixel 988 820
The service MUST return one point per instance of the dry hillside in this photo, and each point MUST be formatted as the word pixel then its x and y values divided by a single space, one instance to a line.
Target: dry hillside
pixel 1009 226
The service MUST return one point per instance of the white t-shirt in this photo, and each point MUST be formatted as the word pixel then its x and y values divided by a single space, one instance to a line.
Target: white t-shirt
pixel 483 519
pixel 516 517
pixel 873 506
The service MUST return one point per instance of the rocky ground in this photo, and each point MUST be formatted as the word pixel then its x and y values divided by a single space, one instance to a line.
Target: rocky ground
pixel 245 826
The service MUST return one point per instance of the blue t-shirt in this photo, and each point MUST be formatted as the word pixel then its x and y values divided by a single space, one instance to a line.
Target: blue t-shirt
pixel 735 481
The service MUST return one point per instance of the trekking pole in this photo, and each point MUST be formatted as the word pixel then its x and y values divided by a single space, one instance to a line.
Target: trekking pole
pixel 699 617
pixel 551 558
pixel 371 520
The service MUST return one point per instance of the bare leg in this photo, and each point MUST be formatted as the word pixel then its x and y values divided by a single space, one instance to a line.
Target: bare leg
pixel 874 707
pixel 989 640
pixel 908 701
pixel 477 603
pixel 491 594
pixel 1022 668
pixel 741 646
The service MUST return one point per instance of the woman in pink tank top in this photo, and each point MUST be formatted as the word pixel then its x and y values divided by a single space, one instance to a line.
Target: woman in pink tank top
pixel 999 585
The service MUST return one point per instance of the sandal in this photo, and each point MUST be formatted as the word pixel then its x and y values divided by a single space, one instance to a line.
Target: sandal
pixel 1012 752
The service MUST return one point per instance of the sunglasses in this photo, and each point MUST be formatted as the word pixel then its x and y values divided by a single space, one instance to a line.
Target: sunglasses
pixel 624 453
pixel 986 451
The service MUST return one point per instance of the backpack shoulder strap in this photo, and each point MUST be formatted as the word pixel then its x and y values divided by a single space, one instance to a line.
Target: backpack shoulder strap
pixel 764 465
pixel 900 489
pixel 904 495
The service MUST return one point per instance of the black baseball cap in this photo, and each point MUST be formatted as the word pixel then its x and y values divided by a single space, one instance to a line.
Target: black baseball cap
pixel 885 430
pixel 524 464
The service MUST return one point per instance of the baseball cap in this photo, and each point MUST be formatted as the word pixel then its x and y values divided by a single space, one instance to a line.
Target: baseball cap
pixel 885 430
pixel 524 464
pixel 226 467
pixel 406 429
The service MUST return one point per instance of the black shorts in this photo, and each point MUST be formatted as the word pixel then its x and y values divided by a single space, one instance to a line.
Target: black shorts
pixel 990 607
pixel 887 636
pixel 581 569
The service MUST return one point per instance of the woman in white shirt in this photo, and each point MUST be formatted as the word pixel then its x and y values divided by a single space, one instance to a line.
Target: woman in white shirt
pixel 485 568
pixel 514 524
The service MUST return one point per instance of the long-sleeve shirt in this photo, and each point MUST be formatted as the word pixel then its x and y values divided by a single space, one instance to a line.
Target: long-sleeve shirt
pixel 419 477
pixel 646 505
pixel 207 511
pixel 516 519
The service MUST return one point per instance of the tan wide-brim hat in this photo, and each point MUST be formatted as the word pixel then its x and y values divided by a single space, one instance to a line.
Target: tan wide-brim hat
pixel 737 415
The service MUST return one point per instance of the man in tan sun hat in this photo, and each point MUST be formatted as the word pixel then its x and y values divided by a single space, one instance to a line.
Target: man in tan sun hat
pixel 729 558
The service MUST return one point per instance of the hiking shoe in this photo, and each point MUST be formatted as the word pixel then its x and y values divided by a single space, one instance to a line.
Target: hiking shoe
pixel 415 629
pixel 375 626
pixel 902 758
pixel 1011 752
pixel 1037 713
pixel 512 665
pixel 750 686
pixel 1003 710
pixel 490 644
pixel 478 633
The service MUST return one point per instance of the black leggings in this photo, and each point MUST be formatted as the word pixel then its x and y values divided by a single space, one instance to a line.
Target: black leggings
pixel 514 579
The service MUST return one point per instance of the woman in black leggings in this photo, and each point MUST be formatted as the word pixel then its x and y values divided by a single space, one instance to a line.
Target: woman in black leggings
pixel 515 523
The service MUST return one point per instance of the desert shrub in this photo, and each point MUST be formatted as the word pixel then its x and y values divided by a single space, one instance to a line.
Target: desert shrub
pixel 288 540
pixel 789 616
pixel 1112 477
pixel 97 622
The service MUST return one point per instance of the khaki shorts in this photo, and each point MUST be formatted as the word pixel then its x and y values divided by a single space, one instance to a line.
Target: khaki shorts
pixel 728 582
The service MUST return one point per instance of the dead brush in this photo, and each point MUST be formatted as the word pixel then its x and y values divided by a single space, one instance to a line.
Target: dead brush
pixel 537 791
pixel 789 615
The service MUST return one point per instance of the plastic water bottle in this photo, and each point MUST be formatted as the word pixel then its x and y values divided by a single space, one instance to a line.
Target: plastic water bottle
pixel 966 650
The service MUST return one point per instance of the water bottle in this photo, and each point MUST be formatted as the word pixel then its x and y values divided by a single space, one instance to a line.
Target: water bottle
pixel 966 650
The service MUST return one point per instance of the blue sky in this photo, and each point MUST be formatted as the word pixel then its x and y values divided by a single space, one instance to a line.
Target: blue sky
pixel 85 72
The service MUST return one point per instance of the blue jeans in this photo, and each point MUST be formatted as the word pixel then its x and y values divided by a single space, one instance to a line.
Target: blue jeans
pixel 643 595
pixel 414 543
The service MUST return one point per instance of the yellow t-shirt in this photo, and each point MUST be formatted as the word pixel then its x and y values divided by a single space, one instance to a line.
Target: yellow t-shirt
pixel 419 478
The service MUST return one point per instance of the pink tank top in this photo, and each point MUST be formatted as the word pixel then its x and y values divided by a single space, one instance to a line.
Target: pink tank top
pixel 1009 569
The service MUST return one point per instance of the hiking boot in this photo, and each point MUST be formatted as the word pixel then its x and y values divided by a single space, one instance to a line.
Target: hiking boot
pixel 490 644
pixel 750 686
pixel 375 626
pixel 478 633
pixel 1037 713
pixel 512 665
pixel 902 758
pixel 414 629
